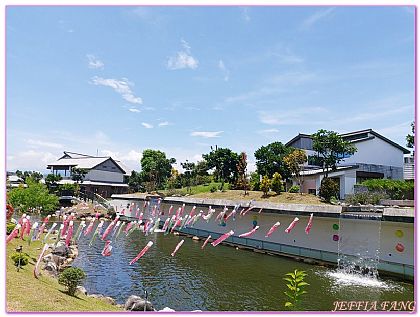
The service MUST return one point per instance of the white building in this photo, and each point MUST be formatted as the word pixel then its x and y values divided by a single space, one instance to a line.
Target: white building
pixel 105 176
pixel 376 157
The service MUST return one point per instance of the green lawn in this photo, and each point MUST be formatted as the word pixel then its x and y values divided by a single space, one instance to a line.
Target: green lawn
pixel 203 191
pixel 25 293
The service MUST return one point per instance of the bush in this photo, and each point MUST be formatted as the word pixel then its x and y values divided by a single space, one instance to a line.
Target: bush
pixel 9 227
pixel 213 189
pixel 265 185
pixel 24 258
pixel 396 189
pixel 294 189
pixel 366 198
pixel 254 181
pixel 277 183
pixel 71 278
pixel 329 188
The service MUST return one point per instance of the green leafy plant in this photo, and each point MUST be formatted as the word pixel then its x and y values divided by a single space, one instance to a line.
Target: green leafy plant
pixel 365 198
pixel 328 189
pixel 20 257
pixel 277 183
pixel 213 189
pixel 70 278
pixel 9 227
pixel 395 189
pixel 265 185
pixel 295 285
pixel 294 189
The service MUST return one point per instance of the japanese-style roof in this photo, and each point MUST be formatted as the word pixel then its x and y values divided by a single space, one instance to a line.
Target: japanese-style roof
pixel 84 161
pixel 356 136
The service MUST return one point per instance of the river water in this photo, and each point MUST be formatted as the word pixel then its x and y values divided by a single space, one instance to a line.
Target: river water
pixel 218 278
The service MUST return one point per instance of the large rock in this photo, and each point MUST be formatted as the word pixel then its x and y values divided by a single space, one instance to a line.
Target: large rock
pixel 136 303
pixel 51 268
pixel 109 300
pixel 61 249
pixel 58 260
pixel 81 289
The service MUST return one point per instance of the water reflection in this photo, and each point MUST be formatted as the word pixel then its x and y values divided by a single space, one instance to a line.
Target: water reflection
pixel 216 279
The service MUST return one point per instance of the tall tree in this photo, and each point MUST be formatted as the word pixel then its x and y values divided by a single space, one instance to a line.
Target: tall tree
pixel 135 182
pixel 78 174
pixel 331 149
pixel 410 137
pixel 36 176
pixel 295 161
pixel 155 168
pixel 242 177
pixel 189 168
pixel 51 181
pixel 224 162
pixel 269 159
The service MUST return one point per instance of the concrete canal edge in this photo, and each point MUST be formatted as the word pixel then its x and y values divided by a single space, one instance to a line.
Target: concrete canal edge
pixel 320 247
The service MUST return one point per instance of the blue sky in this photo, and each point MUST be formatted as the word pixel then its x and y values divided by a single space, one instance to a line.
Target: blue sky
pixel 117 80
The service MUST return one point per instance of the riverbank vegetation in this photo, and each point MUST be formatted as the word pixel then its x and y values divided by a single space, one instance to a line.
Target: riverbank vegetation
pixel 24 293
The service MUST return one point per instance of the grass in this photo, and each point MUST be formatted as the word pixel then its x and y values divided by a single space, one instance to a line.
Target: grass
pixel 283 198
pixel 25 293
pixel 203 191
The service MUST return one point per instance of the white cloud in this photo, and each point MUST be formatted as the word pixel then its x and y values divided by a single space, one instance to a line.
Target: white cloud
pixel 163 124
pixel 134 110
pixel 122 87
pixel 183 59
pixel 207 134
pixel 94 62
pixel 245 14
pixel 39 143
pixel 316 17
pixel 147 125
pixel 224 70
pixel 30 160
pixel 268 131
pixel 296 116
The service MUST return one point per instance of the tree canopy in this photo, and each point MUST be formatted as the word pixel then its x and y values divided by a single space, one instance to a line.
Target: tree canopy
pixel 269 159
pixel 155 168
pixel 331 149
pixel 410 137
pixel 34 196
pixel 224 161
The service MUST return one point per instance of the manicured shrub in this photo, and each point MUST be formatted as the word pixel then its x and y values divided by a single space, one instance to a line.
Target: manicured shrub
pixel 9 227
pixel 329 188
pixel 365 198
pixel 395 189
pixel 24 259
pixel 277 183
pixel 265 185
pixel 71 278
pixel 294 189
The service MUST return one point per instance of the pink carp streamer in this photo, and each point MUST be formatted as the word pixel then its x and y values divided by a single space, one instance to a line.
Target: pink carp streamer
pixel 24 224
pixel 177 247
pixel 111 225
pixel 292 225
pixel 13 234
pixel 247 234
pixel 36 268
pixel 205 242
pixel 177 223
pixel 245 211
pixel 142 252
pixel 260 211
pixel 192 211
pixel 170 210
pixel 107 249
pixel 89 227
pixel 128 227
pixel 165 225
pixel 42 227
pixel 272 229
pixel 49 231
pixel 69 233
pixel 222 238
pixel 309 225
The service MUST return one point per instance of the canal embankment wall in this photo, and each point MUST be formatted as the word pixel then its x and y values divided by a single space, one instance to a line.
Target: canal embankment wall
pixel 385 232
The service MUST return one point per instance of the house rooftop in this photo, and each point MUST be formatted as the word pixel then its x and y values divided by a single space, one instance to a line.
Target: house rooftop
pixel 356 136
